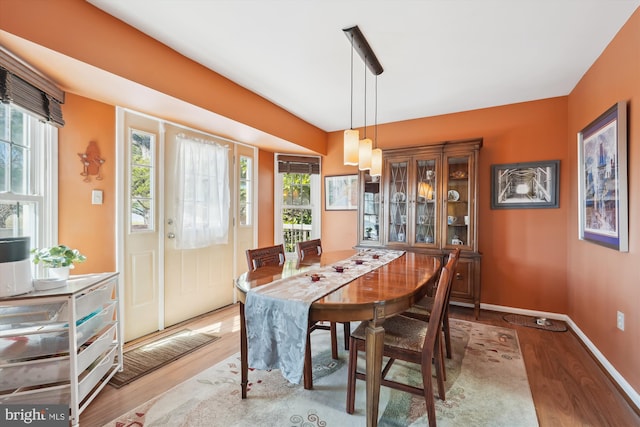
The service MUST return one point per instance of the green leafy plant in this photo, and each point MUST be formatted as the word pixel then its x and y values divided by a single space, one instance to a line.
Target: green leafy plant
pixel 57 256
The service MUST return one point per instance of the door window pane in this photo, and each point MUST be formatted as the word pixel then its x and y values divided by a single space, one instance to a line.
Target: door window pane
pixel 142 146
pixel 296 213
pixel 245 196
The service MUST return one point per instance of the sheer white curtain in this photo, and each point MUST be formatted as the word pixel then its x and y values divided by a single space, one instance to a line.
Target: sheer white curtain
pixel 202 193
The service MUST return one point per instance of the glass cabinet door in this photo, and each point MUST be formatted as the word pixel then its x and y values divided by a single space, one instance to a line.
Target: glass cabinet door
pixel 398 199
pixel 425 219
pixel 371 211
pixel 459 201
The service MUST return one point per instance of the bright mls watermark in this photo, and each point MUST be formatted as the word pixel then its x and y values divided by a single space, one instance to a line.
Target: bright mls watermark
pixel 34 415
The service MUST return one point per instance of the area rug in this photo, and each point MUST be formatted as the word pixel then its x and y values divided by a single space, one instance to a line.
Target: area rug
pixel 486 386
pixel 532 322
pixel 147 358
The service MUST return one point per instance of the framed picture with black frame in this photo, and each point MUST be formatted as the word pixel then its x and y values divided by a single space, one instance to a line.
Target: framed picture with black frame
pixel 341 192
pixel 602 180
pixel 531 185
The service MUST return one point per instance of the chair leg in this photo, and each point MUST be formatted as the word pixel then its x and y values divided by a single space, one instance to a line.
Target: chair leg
pixel 438 353
pixel 347 334
pixel 308 367
pixel 447 334
pixel 428 394
pixel 351 376
pixel 244 367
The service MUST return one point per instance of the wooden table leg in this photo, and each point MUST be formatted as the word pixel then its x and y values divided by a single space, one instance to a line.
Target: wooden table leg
pixel 244 364
pixel 374 344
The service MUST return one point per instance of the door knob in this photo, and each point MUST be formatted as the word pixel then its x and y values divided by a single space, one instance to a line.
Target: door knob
pixel 171 235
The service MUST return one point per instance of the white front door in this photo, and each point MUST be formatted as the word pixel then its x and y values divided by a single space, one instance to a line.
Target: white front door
pixel 196 280
pixel 142 230
pixel 161 285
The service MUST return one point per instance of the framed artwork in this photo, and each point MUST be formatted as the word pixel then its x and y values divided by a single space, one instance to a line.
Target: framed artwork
pixel 525 185
pixel 341 192
pixel 602 180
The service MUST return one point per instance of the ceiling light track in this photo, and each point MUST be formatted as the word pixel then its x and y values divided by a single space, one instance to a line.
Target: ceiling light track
pixel 361 46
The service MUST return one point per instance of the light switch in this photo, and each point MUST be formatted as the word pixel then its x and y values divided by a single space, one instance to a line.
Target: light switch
pixel 96 197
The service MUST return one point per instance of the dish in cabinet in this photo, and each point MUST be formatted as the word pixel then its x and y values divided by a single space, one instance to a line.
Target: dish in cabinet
pixel 453 195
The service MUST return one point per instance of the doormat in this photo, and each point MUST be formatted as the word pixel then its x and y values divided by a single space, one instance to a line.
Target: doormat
pixel 532 322
pixel 147 358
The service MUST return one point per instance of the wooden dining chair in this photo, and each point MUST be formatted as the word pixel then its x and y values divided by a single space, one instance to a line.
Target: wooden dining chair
pixel 269 255
pixel 422 309
pixel 313 248
pixel 410 340
pixel 308 248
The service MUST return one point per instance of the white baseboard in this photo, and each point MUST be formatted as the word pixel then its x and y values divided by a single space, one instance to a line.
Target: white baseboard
pixel 624 385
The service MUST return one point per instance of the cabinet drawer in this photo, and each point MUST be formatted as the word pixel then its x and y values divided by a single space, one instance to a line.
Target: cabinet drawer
pixel 90 378
pixel 43 340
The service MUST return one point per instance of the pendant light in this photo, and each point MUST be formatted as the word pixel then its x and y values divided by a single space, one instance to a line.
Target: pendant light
pixel 365 145
pixel 351 135
pixel 362 148
pixel 376 153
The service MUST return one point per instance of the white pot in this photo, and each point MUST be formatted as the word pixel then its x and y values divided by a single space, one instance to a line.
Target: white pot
pixel 58 272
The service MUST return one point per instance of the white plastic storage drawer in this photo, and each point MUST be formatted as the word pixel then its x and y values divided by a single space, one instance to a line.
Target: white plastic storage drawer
pixel 59 395
pixel 34 372
pixel 90 353
pixel 55 369
pixel 37 340
pixel 11 315
pixel 89 302
pixel 90 378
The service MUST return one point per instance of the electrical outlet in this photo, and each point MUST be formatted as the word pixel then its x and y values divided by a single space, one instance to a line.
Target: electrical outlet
pixel 621 321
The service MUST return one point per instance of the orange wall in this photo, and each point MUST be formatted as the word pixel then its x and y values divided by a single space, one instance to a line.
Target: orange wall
pixel 523 262
pixel 265 198
pixel 82 225
pixel 602 281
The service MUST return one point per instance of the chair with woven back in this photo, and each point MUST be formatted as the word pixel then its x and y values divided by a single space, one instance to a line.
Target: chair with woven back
pixel 410 340
pixel 275 256
pixel 422 309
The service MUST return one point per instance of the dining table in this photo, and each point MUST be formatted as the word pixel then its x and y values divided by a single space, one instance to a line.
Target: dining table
pixel 385 291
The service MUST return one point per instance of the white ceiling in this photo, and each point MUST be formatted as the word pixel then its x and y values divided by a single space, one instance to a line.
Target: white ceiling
pixel 439 56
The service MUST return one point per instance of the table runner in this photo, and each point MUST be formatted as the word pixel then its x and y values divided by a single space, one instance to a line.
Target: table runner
pixel 277 314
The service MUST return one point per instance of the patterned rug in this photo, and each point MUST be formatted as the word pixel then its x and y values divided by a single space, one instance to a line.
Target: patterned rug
pixel 486 386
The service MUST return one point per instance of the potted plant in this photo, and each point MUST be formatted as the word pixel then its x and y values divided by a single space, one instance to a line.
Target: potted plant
pixel 57 259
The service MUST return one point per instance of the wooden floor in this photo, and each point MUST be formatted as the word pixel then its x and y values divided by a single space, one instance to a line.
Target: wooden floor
pixel 568 386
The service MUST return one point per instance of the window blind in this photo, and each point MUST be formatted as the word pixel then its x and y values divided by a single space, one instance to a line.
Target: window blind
pixel 298 164
pixel 23 86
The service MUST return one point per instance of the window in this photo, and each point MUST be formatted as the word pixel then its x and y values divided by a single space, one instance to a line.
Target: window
pixel 141 154
pixel 297 201
pixel 28 177
pixel 245 184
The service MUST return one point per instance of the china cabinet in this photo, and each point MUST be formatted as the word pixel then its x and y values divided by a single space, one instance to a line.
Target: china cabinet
pixel 425 201
pixel 60 346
